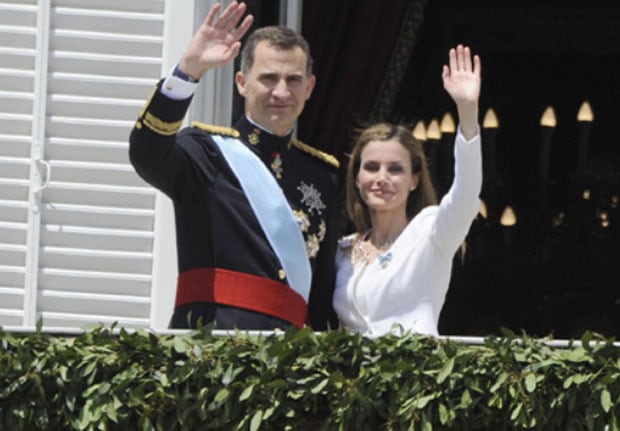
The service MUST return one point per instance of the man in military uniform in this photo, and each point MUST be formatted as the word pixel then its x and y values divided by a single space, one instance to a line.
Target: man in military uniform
pixel 256 210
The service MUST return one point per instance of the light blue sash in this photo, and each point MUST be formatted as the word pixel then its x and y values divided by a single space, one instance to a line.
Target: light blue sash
pixel 272 211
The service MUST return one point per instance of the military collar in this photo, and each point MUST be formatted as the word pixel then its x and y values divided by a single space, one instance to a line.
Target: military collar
pixel 265 141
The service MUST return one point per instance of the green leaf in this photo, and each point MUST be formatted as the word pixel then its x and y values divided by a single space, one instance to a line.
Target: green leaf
pixel 606 400
pixel 318 388
pixel 90 391
pixel 63 373
pixel 512 391
pixel 516 412
pixel 257 419
pixel 614 423
pixel 84 419
pixel 147 425
pixel 444 416
pixel 228 376
pixel 179 345
pixel 89 369
pixel 221 395
pixel 269 412
pixel 421 402
pixel 508 333
pixel 112 413
pixel 586 338
pixel 247 392
pixel 575 355
pixel 500 381
pixel 295 394
pixel 581 378
pixel 496 401
pixel 117 404
pixel 445 371
pixel 530 382
pixel 163 378
pixel 104 388
pixel 466 399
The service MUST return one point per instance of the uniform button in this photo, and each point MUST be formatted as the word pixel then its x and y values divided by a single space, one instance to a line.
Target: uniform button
pixel 282 274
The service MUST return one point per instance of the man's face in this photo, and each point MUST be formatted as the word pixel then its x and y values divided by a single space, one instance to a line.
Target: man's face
pixel 276 87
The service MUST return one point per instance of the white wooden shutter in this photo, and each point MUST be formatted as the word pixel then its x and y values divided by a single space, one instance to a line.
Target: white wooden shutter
pixel 83 240
pixel 18 30
pixel 73 75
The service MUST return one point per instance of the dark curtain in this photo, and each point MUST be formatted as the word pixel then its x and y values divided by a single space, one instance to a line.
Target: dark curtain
pixel 361 50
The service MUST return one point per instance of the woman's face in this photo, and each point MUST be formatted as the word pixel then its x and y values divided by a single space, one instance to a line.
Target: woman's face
pixel 385 176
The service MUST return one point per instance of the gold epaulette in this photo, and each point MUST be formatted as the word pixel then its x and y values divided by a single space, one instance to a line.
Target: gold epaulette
pixel 327 158
pixel 216 130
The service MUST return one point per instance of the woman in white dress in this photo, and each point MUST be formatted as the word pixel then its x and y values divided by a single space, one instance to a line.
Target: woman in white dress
pixel 395 271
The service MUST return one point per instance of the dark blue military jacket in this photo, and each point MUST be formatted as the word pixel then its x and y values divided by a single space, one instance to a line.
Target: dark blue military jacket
pixel 215 225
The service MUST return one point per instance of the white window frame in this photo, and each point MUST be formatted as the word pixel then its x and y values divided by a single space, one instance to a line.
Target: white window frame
pixel 212 104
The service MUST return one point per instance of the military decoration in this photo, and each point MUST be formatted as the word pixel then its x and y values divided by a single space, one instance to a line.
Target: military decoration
pixel 254 137
pixel 322 230
pixel 276 164
pixel 311 197
pixel 302 219
pixel 312 245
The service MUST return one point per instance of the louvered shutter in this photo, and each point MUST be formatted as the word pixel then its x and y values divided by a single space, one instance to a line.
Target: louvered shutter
pixel 73 75
pixel 18 30
pixel 83 240
pixel 97 215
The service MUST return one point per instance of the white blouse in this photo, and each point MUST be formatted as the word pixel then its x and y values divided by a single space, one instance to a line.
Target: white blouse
pixel 407 284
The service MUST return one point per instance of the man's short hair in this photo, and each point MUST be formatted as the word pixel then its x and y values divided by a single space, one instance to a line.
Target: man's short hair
pixel 279 37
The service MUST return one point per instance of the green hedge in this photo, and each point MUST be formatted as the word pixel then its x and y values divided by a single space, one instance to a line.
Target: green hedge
pixel 110 379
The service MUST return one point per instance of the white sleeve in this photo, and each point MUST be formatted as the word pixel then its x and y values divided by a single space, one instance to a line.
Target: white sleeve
pixel 176 88
pixel 424 323
pixel 459 206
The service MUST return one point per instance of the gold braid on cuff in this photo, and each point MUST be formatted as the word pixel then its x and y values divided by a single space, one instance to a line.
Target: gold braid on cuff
pixel 159 126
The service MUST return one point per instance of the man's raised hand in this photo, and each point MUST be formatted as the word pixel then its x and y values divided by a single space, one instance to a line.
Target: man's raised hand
pixel 217 41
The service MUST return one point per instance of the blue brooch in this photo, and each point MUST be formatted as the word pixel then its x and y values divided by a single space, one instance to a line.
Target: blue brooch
pixel 384 259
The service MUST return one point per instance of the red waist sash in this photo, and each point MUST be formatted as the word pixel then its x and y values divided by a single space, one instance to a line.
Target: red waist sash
pixel 237 289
